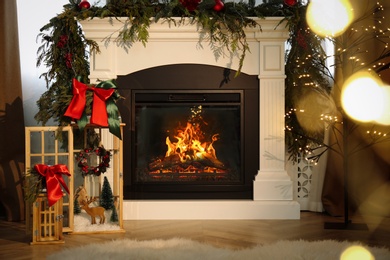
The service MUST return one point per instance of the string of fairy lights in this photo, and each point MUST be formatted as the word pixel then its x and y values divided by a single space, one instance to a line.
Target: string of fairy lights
pixel 352 44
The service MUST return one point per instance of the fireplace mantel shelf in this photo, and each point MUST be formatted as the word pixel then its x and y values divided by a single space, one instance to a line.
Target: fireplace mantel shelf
pixel 183 29
pixel 167 45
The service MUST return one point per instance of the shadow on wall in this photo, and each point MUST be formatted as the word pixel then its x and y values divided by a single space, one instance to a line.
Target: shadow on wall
pixel 12 160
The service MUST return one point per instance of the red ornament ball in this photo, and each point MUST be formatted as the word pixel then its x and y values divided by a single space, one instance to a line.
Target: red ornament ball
pixel 218 5
pixel 290 2
pixel 84 4
pixel 191 5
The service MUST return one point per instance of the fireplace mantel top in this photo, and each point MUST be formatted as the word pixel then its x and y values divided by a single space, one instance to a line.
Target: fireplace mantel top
pixel 269 28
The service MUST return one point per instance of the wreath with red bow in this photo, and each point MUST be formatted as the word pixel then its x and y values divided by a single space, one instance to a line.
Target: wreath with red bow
pixel 104 159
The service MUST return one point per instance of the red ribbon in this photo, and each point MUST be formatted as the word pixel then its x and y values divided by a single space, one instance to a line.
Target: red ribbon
pixel 77 105
pixel 53 175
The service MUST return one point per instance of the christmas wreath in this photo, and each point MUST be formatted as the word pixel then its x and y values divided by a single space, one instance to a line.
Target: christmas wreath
pixel 104 159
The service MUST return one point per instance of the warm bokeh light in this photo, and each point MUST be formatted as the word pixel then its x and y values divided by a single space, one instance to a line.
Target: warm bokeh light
pixel 356 253
pixel 384 119
pixel 312 106
pixel 362 97
pixel 329 18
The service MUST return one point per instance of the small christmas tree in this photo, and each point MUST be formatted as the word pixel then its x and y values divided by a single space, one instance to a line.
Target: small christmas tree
pixel 114 215
pixel 106 198
pixel 76 207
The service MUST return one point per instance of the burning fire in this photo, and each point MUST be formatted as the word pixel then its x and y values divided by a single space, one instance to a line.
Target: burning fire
pixel 189 148
pixel 189 153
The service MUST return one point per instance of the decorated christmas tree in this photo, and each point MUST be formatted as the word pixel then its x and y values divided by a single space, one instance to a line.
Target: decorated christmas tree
pixel 106 198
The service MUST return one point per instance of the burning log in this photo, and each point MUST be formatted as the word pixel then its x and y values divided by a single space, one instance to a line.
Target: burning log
pixel 173 162
pixel 165 163
pixel 212 161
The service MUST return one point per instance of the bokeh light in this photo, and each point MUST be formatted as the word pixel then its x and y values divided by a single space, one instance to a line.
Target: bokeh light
pixel 384 119
pixel 311 107
pixel 363 97
pixel 329 18
pixel 356 253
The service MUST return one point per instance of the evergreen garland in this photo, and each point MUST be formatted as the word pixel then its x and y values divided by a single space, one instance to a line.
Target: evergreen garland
pixel 63 51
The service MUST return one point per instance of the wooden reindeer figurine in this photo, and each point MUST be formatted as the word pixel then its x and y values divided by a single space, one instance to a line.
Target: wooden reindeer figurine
pixel 94 211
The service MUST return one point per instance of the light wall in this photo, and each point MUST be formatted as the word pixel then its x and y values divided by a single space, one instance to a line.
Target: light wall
pixel 32 16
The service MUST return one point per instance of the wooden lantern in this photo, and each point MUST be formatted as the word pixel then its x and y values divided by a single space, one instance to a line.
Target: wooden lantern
pixel 89 188
pixel 47 221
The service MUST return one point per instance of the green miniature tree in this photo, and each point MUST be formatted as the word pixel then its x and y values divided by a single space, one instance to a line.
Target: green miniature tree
pixel 106 197
pixel 114 215
pixel 76 207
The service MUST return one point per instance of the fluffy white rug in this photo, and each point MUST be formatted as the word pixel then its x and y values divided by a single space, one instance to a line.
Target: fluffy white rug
pixel 190 250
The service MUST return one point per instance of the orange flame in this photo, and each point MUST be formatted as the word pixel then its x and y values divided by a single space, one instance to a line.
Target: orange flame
pixel 188 145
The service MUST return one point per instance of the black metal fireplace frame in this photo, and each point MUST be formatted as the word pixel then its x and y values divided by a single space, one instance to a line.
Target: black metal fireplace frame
pixel 209 100
pixel 199 79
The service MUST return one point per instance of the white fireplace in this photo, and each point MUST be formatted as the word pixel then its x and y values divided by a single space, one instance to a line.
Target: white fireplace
pixel 273 187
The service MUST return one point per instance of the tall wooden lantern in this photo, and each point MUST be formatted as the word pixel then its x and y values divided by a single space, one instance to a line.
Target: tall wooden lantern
pixel 98 181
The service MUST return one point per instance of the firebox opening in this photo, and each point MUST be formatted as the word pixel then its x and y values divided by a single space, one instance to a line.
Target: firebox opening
pixel 188 137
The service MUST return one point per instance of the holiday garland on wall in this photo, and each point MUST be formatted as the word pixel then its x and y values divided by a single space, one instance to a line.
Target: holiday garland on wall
pixel 65 50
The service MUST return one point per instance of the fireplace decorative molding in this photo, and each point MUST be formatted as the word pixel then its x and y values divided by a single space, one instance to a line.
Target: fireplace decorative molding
pixel 169 44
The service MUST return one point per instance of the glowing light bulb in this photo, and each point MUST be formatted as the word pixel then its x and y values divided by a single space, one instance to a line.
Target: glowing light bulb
pixel 329 18
pixel 362 97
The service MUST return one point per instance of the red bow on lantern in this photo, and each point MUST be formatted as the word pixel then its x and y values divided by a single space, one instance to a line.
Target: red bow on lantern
pixel 53 175
pixel 77 105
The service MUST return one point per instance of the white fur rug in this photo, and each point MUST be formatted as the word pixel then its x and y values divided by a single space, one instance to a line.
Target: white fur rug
pixel 190 250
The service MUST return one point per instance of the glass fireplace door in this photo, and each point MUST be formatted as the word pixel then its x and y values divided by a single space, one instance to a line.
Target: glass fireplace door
pixel 186 138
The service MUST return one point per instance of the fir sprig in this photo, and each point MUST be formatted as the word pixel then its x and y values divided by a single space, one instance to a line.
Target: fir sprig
pixel 33 185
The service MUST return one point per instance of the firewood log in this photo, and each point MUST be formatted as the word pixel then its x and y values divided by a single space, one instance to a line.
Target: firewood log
pixel 164 163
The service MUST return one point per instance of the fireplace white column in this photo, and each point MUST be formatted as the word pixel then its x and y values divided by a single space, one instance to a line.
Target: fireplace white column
pixel 272 181
pixel 180 44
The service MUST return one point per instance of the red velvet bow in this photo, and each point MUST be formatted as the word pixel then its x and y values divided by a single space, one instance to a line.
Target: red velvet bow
pixel 53 175
pixel 77 105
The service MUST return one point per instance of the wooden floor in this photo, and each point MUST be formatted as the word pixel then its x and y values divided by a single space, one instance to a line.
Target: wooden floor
pixel 235 234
